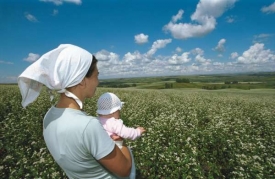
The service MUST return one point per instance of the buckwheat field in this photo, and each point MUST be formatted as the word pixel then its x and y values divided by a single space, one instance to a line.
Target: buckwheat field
pixel 190 133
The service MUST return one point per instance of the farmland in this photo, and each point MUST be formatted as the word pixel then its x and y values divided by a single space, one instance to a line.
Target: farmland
pixel 245 81
pixel 191 133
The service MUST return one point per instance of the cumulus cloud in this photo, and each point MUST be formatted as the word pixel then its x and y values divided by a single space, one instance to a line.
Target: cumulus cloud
pixel 179 59
pixel 60 2
pixel 188 30
pixel 141 38
pixel 268 9
pixel 134 64
pixel 178 50
pixel 30 17
pixel 256 54
pixel 218 64
pixel 199 57
pixel 178 16
pixel 32 57
pixel 204 19
pixel 234 55
pixel 197 51
pixel 107 58
pixel 220 46
pixel 203 61
pixel 133 57
pixel 157 45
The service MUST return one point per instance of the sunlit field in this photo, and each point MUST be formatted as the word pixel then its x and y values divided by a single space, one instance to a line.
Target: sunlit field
pixel 190 133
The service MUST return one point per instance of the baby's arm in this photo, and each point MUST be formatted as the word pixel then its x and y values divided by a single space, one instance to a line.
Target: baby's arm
pixel 126 132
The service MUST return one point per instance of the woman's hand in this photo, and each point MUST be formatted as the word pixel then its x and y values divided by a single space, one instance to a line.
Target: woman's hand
pixel 116 137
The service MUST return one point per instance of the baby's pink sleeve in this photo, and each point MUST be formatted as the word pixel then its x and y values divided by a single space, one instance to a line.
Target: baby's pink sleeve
pixel 123 131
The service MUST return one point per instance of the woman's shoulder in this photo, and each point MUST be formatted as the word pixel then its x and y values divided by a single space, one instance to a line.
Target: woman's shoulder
pixel 72 116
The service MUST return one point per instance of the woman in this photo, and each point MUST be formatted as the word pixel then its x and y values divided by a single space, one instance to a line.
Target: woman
pixel 77 142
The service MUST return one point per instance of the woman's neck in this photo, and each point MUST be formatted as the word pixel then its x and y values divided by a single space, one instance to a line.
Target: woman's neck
pixel 66 102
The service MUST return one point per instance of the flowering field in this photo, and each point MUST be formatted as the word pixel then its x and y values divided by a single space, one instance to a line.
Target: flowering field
pixel 190 134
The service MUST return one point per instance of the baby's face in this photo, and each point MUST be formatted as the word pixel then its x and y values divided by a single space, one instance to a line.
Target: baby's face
pixel 116 114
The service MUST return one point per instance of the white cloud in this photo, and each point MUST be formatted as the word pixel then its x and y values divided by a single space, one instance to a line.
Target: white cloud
pixel 135 64
pixel 218 64
pixel 199 56
pixel 188 30
pixel 261 38
pixel 60 2
pixel 157 45
pixel 32 57
pixel 132 57
pixel 178 50
pixel 268 9
pixel 55 12
pixel 141 38
pixel 107 58
pixel 178 16
pixel 30 17
pixel 256 54
pixel 197 51
pixel 8 79
pixel 6 62
pixel 234 55
pixel 200 59
pixel 214 8
pixel 176 59
pixel 220 46
pixel 204 19
pixel 230 19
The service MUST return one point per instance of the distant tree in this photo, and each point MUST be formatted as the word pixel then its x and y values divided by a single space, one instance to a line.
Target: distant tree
pixel 235 82
pixel 134 85
pixel 182 80
pixel 227 82
pixel 168 85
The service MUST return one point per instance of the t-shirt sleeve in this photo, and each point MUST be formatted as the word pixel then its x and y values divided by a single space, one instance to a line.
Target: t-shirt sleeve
pixel 96 140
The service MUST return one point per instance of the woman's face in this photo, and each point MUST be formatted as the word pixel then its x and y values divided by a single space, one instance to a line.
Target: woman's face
pixel 92 83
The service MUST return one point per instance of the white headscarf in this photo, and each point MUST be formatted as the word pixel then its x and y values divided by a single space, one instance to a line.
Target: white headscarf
pixel 58 69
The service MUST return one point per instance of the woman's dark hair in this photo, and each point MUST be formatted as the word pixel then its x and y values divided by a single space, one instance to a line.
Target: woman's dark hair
pixel 92 68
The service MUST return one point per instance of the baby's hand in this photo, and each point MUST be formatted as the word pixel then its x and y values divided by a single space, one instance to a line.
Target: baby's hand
pixel 141 129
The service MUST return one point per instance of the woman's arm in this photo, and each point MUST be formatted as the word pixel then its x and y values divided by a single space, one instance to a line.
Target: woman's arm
pixel 118 161
pixel 104 150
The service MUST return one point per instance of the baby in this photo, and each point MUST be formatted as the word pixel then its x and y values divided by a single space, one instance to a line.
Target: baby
pixel 108 110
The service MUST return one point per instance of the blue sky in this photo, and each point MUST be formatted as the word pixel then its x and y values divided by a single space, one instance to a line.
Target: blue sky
pixel 142 37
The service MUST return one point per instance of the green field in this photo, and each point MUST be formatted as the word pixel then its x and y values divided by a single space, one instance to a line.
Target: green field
pixel 191 133
pixel 209 82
